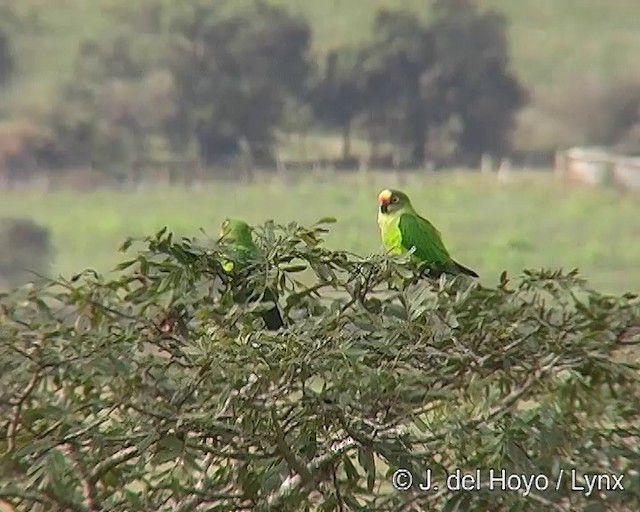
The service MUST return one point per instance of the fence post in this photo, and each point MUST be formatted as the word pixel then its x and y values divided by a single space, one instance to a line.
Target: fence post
pixel 246 160
pixel 486 163
pixel 560 162
pixel 504 170
pixel 281 170
pixel 429 166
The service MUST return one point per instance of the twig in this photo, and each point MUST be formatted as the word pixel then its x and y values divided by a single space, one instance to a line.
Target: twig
pixel 191 503
pixel 22 496
pixel 75 435
pixel 88 488
pixel 15 417
pixel 294 463
pixel 111 462
pixel 295 483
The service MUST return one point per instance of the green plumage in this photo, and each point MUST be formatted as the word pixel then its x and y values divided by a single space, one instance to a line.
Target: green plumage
pixel 237 234
pixel 402 229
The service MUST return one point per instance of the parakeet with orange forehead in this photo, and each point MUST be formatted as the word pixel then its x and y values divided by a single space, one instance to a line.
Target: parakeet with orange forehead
pixel 237 234
pixel 402 229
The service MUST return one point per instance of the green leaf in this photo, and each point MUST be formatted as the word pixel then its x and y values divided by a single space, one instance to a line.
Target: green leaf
pixel 326 220
pixel 167 449
pixel 458 502
pixel 353 503
pixel 124 247
pixel 350 470
pixel 125 264
pixel 161 233
pixel 295 268
pixel 35 447
pixel 367 461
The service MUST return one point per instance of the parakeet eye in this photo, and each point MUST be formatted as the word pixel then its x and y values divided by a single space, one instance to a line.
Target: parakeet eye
pixel 394 199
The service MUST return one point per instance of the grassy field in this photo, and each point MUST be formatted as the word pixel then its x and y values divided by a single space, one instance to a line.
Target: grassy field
pixel 533 221
pixel 551 40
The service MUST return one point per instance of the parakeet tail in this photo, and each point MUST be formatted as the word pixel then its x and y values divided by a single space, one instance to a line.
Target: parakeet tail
pixel 465 270
pixel 272 318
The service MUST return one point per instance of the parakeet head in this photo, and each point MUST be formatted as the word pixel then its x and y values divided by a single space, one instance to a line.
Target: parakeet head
pixel 233 230
pixel 391 201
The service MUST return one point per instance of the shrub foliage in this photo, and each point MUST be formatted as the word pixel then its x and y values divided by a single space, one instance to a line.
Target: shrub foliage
pixel 154 389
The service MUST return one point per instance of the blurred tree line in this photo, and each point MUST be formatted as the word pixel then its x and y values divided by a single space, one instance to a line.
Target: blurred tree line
pixel 7 61
pixel 199 80
pixel 208 81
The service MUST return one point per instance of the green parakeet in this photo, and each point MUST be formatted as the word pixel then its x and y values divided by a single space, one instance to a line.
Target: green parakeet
pixel 237 234
pixel 403 229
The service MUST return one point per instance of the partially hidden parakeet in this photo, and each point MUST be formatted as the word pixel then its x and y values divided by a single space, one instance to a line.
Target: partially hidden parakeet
pixel 403 229
pixel 237 234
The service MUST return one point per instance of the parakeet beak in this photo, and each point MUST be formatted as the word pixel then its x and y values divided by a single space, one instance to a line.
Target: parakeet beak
pixel 383 201
pixel 223 230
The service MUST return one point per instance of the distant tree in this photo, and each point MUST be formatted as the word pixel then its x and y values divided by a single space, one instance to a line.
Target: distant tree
pixel 393 63
pixel 337 98
pixel 113 104
pixel 7 64
pixel 473 75
pixel 453 71
pixel 195 77
pixel 233 73
pixel 601 112
pixel 615 113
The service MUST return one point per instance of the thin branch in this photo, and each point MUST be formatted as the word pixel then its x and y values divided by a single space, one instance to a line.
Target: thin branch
pixel 294 463
pixel 17 409
pixel 86 429
pixel 89 492
pixel 295 483
pixel 111 462
pixel 194 501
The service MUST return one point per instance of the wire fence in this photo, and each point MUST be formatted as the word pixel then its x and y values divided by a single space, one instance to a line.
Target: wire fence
pixel 580 165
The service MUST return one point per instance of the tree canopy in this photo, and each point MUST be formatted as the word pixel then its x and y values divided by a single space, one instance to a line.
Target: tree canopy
pixel 153 388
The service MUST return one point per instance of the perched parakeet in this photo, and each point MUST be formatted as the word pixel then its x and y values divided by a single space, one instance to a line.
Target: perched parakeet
pixel 237 234
pixel 403 229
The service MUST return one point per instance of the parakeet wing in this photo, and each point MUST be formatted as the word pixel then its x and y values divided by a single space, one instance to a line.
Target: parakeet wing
pixel 418 232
